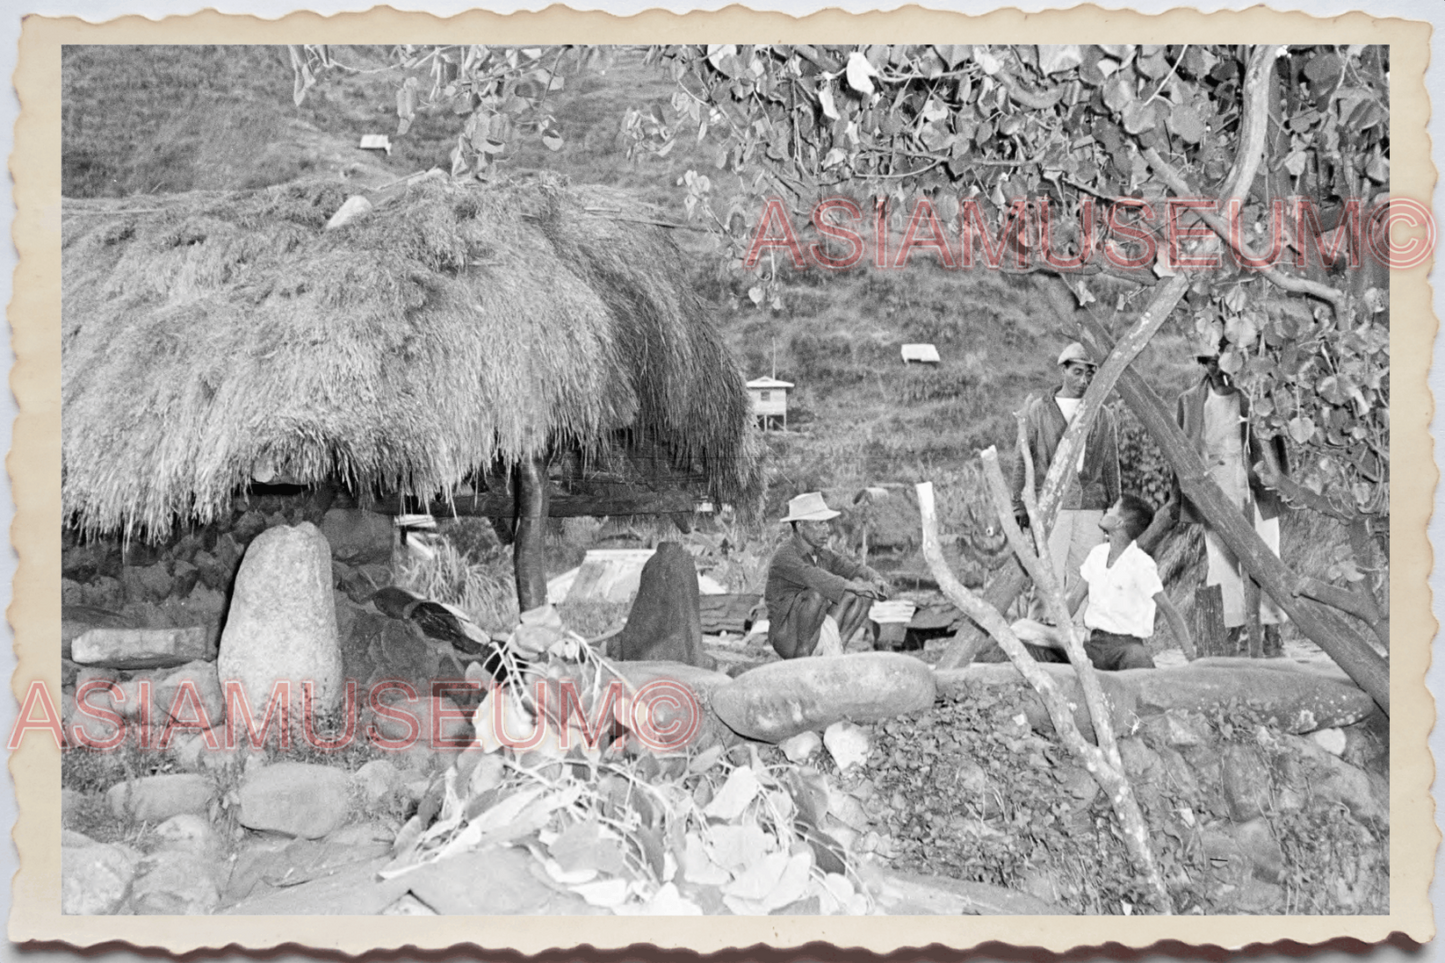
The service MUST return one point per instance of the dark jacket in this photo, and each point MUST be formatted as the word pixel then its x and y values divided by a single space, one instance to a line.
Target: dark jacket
pixel 1098 482
pixel 794 571
pixel 1189 413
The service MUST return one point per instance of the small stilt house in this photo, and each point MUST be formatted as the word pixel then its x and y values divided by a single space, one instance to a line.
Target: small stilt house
pixel 770 400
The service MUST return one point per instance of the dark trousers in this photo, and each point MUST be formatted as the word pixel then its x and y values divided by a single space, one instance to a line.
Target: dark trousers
pixel 1110 651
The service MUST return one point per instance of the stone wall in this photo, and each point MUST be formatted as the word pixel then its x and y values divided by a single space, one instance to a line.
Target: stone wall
pixel 185 580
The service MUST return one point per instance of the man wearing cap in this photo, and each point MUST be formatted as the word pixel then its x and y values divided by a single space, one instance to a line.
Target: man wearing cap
pixel 1091 488
pixel 815 595
pixel 1215 416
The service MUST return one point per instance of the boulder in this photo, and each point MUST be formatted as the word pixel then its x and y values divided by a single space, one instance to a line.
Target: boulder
pixel 1246 782
pixel 189 833
pixel 848 744
pixel 1298 698
pixel 295 798
pixel 1141 763
pixel 1258 845
pixel 155 580
pixel 357 536
pixel 439 721
pixel 247 526
pixel 174 698
pixel 350 890
pixel 781 699
pixel 1325 776
pixel 492 882
pixel 94 877
pixel 1119 692
pixel 141 648
pixel 282 621
pixel 665 623
pixel 91 560
pixel 802 747
pixel 377 781
pixel 154 799
pixel 703 684
pixel 184 577
pixel 175 882
pixel 1174 728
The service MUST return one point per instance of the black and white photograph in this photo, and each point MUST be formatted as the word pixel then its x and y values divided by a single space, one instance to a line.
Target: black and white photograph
pixel 728 479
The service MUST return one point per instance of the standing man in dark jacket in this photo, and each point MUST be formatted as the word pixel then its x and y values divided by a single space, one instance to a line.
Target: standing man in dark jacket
pixel 816 598
pixel 1091 487
pixel 1215 416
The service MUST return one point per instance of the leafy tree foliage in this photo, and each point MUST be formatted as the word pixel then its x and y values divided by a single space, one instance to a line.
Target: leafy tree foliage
pixel 1106 157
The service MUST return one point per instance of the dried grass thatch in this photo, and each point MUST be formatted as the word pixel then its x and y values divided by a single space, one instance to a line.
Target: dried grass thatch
pixel 207 338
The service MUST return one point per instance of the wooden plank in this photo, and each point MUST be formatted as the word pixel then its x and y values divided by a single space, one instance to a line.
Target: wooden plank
pixel 1210 635
pixel 501 505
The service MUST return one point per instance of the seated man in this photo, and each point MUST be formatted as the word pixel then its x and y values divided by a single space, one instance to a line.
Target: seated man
pixel 814 594
pixel 1122 584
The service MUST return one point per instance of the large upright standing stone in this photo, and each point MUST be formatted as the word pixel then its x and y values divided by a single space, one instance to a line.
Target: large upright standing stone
pixel 282 622
pixel 665 624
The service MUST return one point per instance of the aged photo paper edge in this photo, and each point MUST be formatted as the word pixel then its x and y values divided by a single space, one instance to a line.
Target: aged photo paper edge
pixel 34 465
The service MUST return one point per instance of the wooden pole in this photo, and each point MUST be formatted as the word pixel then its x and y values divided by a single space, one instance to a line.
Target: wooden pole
pixel 528 551
pixel 1209 630
pixel 503 504
pixel 1325 627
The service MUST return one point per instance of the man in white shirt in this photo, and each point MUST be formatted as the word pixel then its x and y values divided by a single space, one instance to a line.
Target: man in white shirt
pixel 1122 584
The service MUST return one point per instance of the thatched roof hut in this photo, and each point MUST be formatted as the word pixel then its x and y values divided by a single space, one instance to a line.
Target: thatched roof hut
pixel 212 338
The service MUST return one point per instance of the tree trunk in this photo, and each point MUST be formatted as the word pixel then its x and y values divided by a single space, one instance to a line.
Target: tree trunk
pixel 528 554
pixel 1010 580
pixel 1323 626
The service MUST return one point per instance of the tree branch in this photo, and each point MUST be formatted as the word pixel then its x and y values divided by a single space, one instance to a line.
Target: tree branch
pixel 1038 569
pixel 1220 226
pixel 1109 776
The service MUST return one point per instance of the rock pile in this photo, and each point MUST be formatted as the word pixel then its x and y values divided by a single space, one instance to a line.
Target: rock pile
pixel 310 837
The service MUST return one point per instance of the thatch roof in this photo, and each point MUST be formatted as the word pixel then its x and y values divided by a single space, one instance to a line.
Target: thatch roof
pixel 209 337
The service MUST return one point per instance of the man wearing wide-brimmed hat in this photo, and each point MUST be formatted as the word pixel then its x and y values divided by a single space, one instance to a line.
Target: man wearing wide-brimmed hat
pixel 1215 416
pixel 1093 484
pixel 817 599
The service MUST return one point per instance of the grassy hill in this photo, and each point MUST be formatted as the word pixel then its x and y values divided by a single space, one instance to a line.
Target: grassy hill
pixel 140 120
pixel 160 119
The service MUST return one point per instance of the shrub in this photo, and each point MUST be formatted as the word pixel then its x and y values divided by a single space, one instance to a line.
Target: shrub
pixel 483 589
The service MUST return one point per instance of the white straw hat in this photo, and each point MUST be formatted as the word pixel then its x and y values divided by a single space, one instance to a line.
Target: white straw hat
pixel 809 507
pixel 1075 353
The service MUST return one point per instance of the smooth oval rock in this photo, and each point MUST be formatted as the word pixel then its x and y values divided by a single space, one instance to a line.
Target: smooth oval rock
pixel 295 798
pixel 1298 698
pixel 281 626
pixel 154 799
pixel 679 694
pixel 781 699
